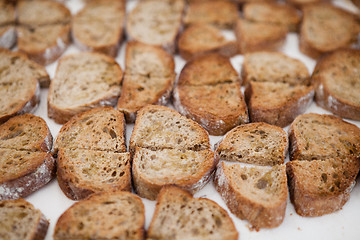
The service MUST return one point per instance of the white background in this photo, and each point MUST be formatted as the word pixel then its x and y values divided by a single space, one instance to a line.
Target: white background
pixel 344 224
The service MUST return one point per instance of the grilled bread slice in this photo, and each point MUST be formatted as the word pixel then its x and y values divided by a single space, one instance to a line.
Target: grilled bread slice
pixel 337 83
pixel 180 216
pixel 7 25
pixel 83 81
pixel 107 215
pixel 20 220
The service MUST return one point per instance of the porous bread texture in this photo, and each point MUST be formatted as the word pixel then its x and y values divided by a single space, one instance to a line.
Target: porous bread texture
pixel 337 83
pixel 20 220
pixel 213 97
pixel 99 26
pixel 121 215
pixel 100 129
pixel 7 22
pixel 149 78
pixel 321 187
pixel 257 194
pixel 326 28
pixel 180 216
pixel 220 13
pixel 156 22
pixel 254 143
pixel 200 39
pixel 83 172
pixel 188 169
pixel 312 137
pixel 258 36
pixel 275 13
pixel 83 81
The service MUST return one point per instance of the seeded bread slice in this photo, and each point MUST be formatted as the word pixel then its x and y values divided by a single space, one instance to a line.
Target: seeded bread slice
pixel 275 13
pixel 180 216
pixel 156 22
pixel 220 13
pixel 257 194
pixel 149 78
pixel 255 143
pixel 99 26
pixel 257 36
pixel 108 215
pixel 321 187
pixel 212 98
pixel 326 28
pixel 7 25
pixel 83 172
pixel 83 81
pixel 100 129
pixel 200 39
pixel 151 170
pixel 316 137
pixel 337 83
pixel 20 220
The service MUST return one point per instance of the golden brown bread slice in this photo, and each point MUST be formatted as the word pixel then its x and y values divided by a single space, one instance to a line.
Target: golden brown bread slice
pixel 180 216
pixel 99 26
pixel 257 194
pixel 20 220
pixel 208 91
pixel 337 83
pixel 108 215
pixel 200 39
pixel 326 28
pixel 7 24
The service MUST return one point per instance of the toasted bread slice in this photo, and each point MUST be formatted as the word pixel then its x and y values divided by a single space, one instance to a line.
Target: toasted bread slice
pixel 83 81
pixel 220 13
pixel 337 83
pixel 108 215
pixel 149 78
pixel 100 129
pixel 7 25
pixel 20 220
pixel 326 28
pixel 156 22
pixel 255 143
pixel 151 170
pixel 180 216
pixel 83 172
pixel 316 137
pixel 257 36
pixel 99 26
pixel 321 187
pixel 200 39
pixel 212 98
pixel 44 30
pixel 275 13
pixel 257 194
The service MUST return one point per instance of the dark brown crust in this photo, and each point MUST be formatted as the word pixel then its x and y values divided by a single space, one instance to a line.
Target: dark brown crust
pixel 41 229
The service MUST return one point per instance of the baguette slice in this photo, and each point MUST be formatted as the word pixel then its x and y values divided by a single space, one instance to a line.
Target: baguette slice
pixel 108 215
pixel 200 39
pixel 180 216
pixel 100 129
pixel 326 28
pixel 187 169
pixel 83 81
pixel 83 172
pixel 99 26
pixel 149 78
pixel 7 25
pixel 257 194
pixel 156 22
pixel 212 98
pixel 317 137
pixel 321 187
pixel 254 143
pixel 337 83
pixel 220 13
pixel 257 36
pixel 24 172
pixel 20 220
